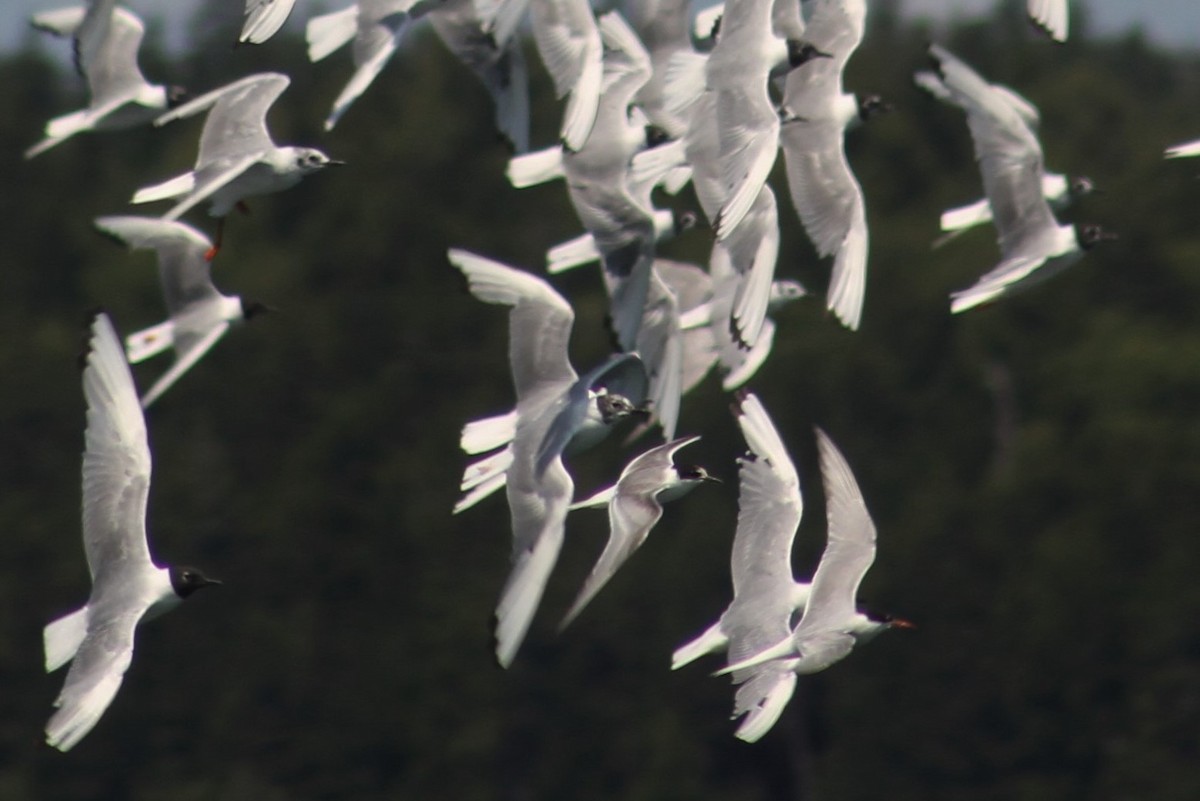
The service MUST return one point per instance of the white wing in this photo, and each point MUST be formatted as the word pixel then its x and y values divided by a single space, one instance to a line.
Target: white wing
pixel 1051 17
pixel 116 461
pixel 632 512
pixel 263 19
pixel 185 275
pixel 237 122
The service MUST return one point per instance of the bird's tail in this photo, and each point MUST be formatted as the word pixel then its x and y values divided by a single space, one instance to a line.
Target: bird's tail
pixel 712 640
pixel 68 124
pixel 149 342
pixel 329 32
pixel 572 253
pixel 483 477
pixel 968 216
pixel 488 433
pixel 59 129
pixel 598 500
pixel 762 700
pixel 650 166
pixel 63 637
pixel 538 167
pixel 175 187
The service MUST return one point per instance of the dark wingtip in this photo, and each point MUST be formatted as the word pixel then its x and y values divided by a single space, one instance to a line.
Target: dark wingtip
pixel 739 397
pixel 85 346
pixel 610 327
pixel 493 642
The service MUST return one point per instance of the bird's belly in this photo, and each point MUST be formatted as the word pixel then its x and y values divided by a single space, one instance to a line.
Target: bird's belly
pixel 259 179
pixel 130 115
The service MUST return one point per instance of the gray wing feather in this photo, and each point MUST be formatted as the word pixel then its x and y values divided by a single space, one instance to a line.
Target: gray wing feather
pixel 116 460
pixel 1009 155
pixel 539 323
pixel 769 511
pixel 190 347
pixel 95 676
pixel 185 275
pixel 108 53
pixel 849 551
pixel 632 513
pixel 237 122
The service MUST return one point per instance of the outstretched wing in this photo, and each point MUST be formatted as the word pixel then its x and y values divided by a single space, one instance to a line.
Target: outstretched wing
pixel 116 460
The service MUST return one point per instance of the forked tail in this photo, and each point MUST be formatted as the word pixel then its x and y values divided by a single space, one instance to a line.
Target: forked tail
pixel 149 342
pixel 63 637
pixel 329 32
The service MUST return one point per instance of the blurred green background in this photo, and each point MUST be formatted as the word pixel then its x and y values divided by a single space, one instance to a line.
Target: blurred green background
pixel 1033 467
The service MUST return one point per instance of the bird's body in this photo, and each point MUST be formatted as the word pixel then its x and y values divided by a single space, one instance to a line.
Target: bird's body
pixel 237 157
pixel 127 586
pixel 634 506
pixel 1033 245
pixel 554 405
pixel 198 315
pixel 831 624
pixel 765 594
pixel 107 39
pixel 597 174
pixel 816 113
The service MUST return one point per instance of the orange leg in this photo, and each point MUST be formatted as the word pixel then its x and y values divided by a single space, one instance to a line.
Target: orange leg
pixel 216 248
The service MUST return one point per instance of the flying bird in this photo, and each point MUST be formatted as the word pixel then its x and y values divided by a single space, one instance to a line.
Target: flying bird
pixel 499 65
pixel 198 315
pixel 765 594
pixel 831 624
pixel 127 586
pixel 106 48
pixel 568 41
pixel 1059 190
pixel 555 405
pixel 376 28
pixel 620 222
pixel 237 156
pixel 816 113
pixel 1033 246
pixel 634 506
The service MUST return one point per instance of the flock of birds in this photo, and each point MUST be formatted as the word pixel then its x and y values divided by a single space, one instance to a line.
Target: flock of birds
pixel 657 97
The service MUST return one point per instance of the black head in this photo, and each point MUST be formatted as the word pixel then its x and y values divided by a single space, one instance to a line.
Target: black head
pixel 614 407
pixel 801 52
pixel 684 220
pixel 1091 234
pixel 716 27
pixel 176 95
pixel 186 580
pixel 871 105
pixel 253 308
pixel 656 136
pixel 695 472
pixel 1080 185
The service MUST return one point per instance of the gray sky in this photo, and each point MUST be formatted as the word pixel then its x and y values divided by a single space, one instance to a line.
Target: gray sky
pixel 1174 22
